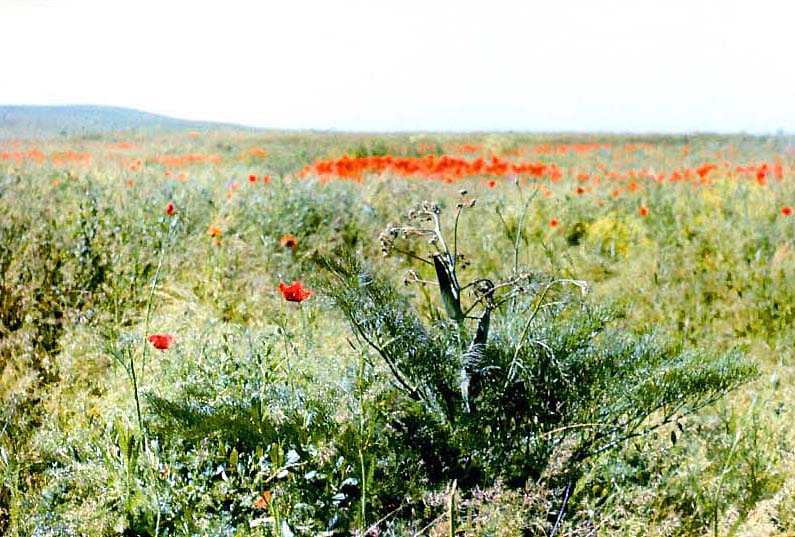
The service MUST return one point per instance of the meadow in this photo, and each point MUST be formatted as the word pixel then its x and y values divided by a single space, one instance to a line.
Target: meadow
pixel 221 332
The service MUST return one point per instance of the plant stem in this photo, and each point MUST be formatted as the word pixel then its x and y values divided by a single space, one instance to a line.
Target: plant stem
pixel 520 228
pixel 562 511
pixel 135 391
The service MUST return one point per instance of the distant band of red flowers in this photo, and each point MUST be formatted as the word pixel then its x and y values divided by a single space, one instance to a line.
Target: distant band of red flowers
pixel 294 292
pixel 161 341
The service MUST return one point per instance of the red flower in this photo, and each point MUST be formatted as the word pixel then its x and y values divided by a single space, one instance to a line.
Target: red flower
pixel 252 178
pixel 554 222
pixel 161 341
pixel 786 211
pixel 169 209
pixel 643 211
pixel 294 292
pixel 289 241
pixel 263 501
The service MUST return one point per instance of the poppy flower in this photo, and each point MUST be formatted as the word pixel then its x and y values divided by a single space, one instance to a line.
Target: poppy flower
pixel 554 222
pixel 294 292
pixel 161 341
pixel 786 211
pixel 214 231
pixel 252 178
pixel 289 241
pixel 170 209
pixel 643 211
pixel 263 501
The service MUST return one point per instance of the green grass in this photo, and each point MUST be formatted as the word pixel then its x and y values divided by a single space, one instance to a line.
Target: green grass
pixel 258 394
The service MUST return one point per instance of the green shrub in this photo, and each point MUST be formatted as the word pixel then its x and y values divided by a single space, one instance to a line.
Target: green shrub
pixel 544 381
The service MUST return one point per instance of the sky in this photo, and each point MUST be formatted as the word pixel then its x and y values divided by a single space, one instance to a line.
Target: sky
pixel 414 65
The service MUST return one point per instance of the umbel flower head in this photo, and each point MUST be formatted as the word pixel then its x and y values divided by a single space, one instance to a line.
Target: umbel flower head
pixel 294 292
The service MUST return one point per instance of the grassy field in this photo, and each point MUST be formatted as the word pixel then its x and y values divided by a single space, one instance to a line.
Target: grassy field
pixel 622 363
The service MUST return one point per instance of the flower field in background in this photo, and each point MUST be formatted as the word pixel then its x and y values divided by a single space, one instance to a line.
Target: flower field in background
pixel 161 376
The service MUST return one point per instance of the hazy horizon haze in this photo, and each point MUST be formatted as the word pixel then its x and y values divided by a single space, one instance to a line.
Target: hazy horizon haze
pixel 613 66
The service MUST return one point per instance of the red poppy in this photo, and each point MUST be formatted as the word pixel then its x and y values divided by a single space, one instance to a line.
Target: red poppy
pixel 554 222
pixel 294 292
pixel 170 209
pixel 252 178
pixel 214 231
pixel 786 211
pixel 643 211
pixel 263 501
pixel 161 341
pixel 289 241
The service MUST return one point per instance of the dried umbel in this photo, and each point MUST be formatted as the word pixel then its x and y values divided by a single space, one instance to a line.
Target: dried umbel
pixel 424 223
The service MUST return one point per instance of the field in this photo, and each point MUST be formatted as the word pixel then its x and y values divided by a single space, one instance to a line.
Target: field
pixel 229 332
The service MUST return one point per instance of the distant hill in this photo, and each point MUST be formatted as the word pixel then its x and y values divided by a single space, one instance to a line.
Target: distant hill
pixel 23 121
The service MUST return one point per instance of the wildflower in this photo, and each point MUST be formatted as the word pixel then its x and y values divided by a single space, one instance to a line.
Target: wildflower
pixel 161 341
pixel 214 231
pixel 263 501
pixel 170 209
pixel 786 211
pixel 554 222
pixel 252 178
pixel 289 241
pixel 492 183
pixel 294 292
pixel 643 211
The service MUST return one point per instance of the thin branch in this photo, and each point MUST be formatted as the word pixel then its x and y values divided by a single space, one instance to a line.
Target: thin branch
pixel 504 223
pixel 455 231
pixel 414 392
pixel 411 255
pixel 579 426
pixel 562 512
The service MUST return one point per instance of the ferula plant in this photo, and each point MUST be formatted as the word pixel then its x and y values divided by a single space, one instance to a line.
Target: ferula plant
pixel 513 378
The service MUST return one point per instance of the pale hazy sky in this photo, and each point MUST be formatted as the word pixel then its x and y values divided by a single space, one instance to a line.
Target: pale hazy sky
pixel 578 65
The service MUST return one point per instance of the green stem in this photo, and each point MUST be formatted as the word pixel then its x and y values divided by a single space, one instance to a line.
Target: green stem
pixel 362 440
pixel 135 391
pixel 520 228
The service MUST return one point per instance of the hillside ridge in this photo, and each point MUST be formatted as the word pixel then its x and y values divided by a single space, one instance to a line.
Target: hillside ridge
pixel 25 121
